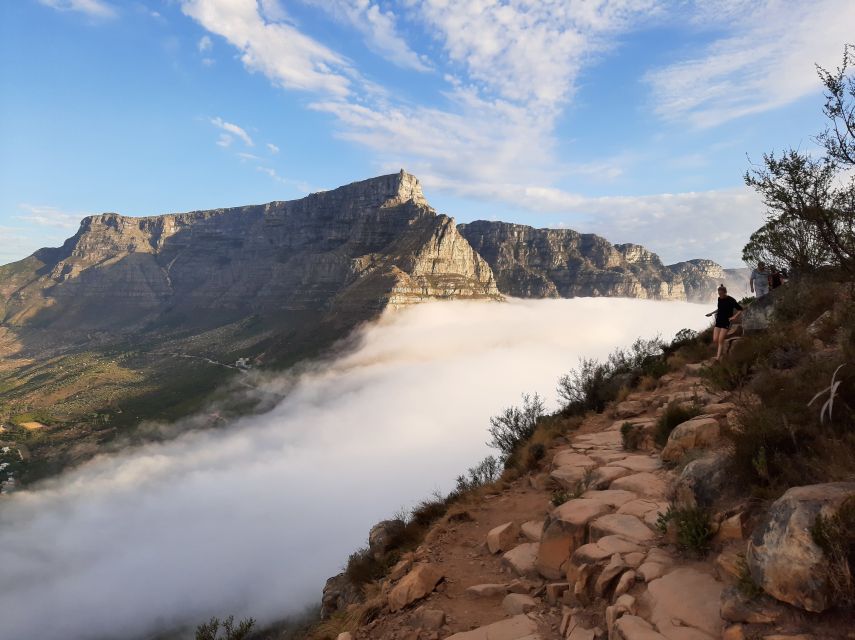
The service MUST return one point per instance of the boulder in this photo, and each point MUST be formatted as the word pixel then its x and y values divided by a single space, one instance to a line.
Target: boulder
pixel 532 530
pixel 685 597
pixel 622 525
pixel 339 592
pixel 487 590
pixel 782 557
pixel 430 619
pixel 735 607
pixel 344 635
pixel 649 571
pixel 516 603
pixel 625 583
pixel 503 537
pixel 647 485
pixel 565 529
pixel 515 628
pixel 702 432
pixel 603 549
pixel 418 583
pixel 629 627
pixel 613 498
pixel 702 481
pixel 522 559
pixel 612 570
pixel 382 536
pixel 603 477
pixel 629 409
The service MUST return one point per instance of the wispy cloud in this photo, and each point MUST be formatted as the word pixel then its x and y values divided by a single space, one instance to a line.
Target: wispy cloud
pixel 92 8
pixel 378 27
pixel 272 148
pixel 765 60
pixel 231 129
pixel 47 216
pixel 205 44
pixel 277 49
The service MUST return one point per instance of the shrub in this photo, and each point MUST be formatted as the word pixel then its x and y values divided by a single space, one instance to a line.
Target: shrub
pixel 675 413
pixel 485 472
pixel 515 425
pixel 835 535
pixel 363 568
pixel 211 630
pixel 536 453
pixel 692 525
pixel 631 436
pixel 744 582
pixel 559 497
pixel 592 385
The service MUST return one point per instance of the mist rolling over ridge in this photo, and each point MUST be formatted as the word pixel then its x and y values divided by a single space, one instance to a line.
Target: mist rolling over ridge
pixel 252 518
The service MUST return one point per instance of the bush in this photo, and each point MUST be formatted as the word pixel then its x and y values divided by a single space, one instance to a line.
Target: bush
pixel 592 385
pixel 211 630
pixel 693 528
pixel 835 535
pixel 675 413
pixel 631 436
pixel 515 425
pixel 485 472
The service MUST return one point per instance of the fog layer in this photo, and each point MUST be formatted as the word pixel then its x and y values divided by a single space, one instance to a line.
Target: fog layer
pixel 252 518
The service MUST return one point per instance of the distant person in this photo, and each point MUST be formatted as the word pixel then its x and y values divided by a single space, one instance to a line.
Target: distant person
pixel 776 278
pixel 759 280
pixel 724 314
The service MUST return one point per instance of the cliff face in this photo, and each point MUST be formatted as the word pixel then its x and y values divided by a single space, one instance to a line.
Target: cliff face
pixel 537 263
pixel 370 244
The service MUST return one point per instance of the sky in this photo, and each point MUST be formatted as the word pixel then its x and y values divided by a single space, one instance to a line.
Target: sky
pixel 634 119
pixel 251 519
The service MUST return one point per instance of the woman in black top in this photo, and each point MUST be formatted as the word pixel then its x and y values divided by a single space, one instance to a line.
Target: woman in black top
pixel 723 315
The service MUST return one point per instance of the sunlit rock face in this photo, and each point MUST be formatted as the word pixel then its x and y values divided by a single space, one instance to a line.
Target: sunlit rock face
pixel 562 263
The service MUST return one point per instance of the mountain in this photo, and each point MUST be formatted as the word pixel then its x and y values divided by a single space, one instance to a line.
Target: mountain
pixel 143 318
pixel 562 263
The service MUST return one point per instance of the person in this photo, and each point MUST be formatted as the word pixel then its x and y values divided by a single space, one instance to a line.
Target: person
pixel 724 314
pixel 759 280
pixel 776 279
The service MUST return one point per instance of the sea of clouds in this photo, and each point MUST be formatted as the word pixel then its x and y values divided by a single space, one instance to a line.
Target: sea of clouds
pixel 252 518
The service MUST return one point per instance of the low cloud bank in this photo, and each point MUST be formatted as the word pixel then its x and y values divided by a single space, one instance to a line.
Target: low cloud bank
pixel 252 518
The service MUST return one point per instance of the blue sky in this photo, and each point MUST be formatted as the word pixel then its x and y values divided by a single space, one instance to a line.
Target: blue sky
pixel 629 118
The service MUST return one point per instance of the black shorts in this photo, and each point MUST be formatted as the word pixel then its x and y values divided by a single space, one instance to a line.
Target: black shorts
pixel 722 324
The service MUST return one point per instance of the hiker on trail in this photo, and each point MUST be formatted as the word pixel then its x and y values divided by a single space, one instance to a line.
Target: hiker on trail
pixel 723 316
pixel 759 280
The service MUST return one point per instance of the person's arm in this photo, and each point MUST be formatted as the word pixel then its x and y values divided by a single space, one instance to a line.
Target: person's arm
pixel 738 308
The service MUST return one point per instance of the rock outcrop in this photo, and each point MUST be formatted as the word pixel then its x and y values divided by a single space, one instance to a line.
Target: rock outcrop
pixel 562 263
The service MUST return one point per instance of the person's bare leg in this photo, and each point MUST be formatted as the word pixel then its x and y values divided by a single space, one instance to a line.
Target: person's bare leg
pixel 718 338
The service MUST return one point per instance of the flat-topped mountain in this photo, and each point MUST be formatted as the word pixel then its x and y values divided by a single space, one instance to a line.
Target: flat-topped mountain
pixel 135 318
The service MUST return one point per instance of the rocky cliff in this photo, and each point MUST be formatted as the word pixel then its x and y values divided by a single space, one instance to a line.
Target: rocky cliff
pixel 538 263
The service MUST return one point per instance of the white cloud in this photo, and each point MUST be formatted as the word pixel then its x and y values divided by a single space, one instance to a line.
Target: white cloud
pixel 247 156
pixel 272 148
pixel 251 518
pixel 47 216
pixel 765 61
pixel 205 44
pixel 379 29
pixel 279 50
pixel 92 8
pixel 232 129
pixel 225 140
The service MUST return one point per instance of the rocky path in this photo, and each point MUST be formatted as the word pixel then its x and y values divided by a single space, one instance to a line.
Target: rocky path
pixel 513 566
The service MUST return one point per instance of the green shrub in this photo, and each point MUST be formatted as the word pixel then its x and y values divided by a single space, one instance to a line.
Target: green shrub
pixel 835 535
pixel 744 582
pixel 675 413
pixel 485 472
pixel 631 436
pixel 211 630
pixel 515 425
pixel 559 497
pixel 362 567
pixel 692 525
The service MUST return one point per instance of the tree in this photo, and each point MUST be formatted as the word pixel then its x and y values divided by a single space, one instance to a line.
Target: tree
pixel 810 201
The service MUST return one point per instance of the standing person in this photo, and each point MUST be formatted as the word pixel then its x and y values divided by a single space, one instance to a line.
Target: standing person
pixel 759 280
pixel 723 315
